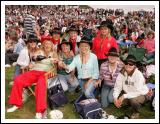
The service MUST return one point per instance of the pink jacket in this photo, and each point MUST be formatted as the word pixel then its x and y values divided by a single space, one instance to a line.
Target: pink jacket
pixel 149 44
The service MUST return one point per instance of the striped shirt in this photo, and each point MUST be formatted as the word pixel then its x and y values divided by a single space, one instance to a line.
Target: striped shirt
pixel 29 24
pixel 106 75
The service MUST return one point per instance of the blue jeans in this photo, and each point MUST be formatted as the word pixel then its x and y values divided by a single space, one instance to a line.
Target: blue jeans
pixel 106 96
pixel 68 83
pixel 17 71
pixel 150 56
pixel 89 91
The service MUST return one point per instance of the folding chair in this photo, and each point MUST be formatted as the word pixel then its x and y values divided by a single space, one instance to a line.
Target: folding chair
pixel 139 53
pixel 48 75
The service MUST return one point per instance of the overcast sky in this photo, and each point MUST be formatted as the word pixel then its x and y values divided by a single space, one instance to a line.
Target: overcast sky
pixel 126 8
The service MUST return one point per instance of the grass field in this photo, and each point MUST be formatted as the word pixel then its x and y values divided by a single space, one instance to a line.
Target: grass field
pixel 28 109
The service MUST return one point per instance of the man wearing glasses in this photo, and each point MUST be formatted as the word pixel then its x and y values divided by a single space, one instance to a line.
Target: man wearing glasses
pixel 130 87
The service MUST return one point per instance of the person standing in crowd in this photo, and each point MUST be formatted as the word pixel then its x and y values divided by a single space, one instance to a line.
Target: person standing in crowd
pixel 130 87
pixel 30 24
pixel 74 37
pixel 35 75
pixel 87 67
pixel 87 30
pixel 56 36
pixel 109 71
pixel 68 80
pixel 104 41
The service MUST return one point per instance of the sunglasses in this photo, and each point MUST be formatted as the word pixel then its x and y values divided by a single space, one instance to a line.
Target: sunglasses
pixel 129 63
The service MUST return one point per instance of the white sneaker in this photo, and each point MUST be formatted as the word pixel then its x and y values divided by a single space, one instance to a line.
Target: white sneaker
pixel 38 116
pixel 11 83
pixel 12 109
pixel 14 64
pixel 44 114
pixel 7 65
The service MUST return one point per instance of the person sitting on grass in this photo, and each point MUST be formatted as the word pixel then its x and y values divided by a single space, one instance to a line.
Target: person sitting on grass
pixel 109 71
pixel 130 88
pixel 87 67
pixel 45 60
pixel 68 80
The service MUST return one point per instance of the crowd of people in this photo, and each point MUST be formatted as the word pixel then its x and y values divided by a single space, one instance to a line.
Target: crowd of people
pixel 82 46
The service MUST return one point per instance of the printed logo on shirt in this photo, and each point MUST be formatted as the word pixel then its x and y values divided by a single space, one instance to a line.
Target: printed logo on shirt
pixel 129 83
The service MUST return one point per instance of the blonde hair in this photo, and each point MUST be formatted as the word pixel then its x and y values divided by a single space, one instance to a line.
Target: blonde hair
pixel 42 46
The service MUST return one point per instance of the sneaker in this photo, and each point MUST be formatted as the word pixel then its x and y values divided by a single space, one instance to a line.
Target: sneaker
pixel 38 116
pixel 44 115
pixel 135 115
pixel 14 64
pixel 7 66
pixel 12 109
pixel 11 83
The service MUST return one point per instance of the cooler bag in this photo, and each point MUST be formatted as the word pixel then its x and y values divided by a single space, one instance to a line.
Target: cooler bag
pixel 56 96
pixel 89 110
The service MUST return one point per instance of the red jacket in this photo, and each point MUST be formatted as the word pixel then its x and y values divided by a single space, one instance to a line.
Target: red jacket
pixel 101 47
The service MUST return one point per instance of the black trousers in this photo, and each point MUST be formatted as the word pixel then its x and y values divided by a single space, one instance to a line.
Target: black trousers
pixel 11 57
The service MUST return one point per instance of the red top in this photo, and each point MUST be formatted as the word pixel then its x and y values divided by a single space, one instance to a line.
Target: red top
pixel 55 41
pixel 101 47
pixel 149 44
pixel 73 44
pixel 125 31
pixel 43 38
pixel 141 43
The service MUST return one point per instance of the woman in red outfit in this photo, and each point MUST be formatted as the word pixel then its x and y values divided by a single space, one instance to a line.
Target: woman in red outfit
pixel 45 60
pixel 104 41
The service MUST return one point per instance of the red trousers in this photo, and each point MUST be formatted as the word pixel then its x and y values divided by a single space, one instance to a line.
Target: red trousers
pixel 27 79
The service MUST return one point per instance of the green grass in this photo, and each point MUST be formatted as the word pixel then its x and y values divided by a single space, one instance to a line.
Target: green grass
pixel 28 109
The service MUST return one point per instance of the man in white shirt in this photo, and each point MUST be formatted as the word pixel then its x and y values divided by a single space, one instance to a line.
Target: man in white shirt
pixel 131 82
